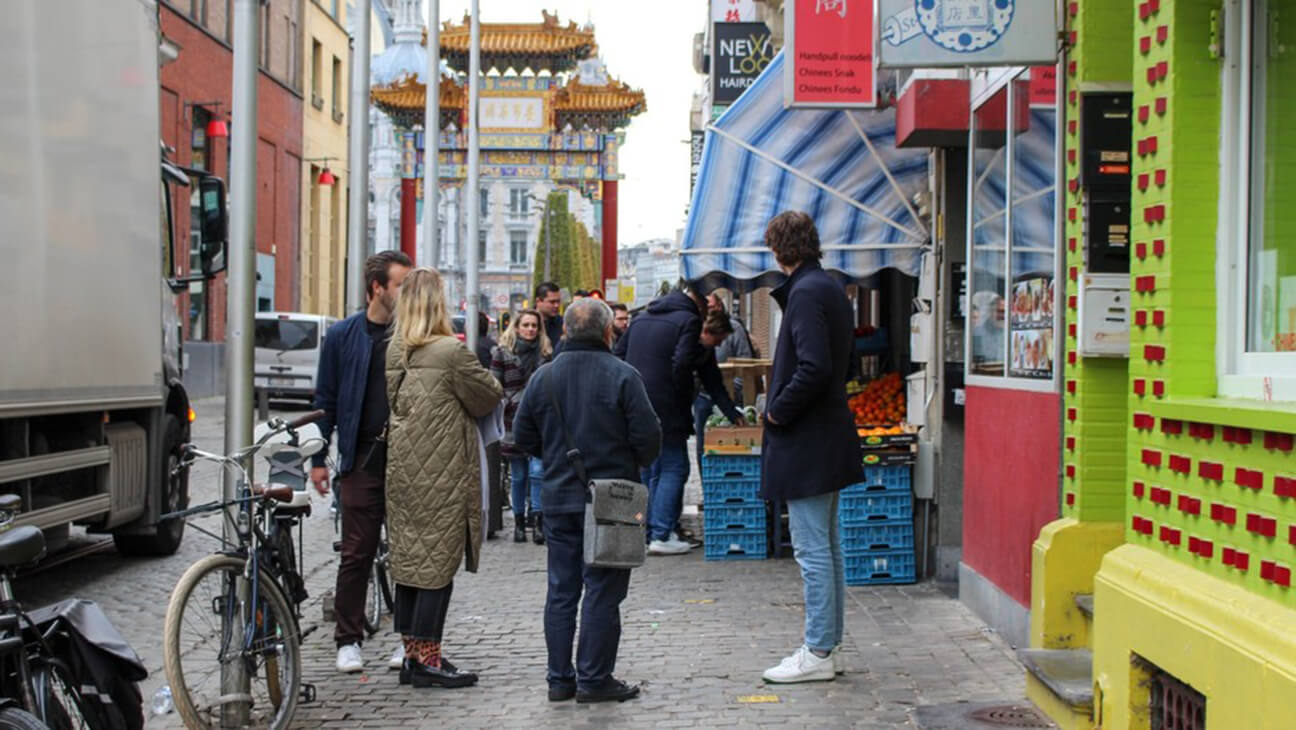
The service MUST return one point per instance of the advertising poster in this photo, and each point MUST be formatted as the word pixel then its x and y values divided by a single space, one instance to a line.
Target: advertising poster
pixel 1030 326
pixel 829 46
pixel 739 54
pixel 696 142
pixel 734 11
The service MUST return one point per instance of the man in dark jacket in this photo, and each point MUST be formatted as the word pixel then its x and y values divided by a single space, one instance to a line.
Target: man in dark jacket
pixel 664 345
pixel 612 424
pixel 548 300
pixel 351 389
pixel 810 450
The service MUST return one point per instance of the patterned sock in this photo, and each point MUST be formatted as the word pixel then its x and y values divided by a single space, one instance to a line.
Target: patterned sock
pixel 427 653
pixel 408 642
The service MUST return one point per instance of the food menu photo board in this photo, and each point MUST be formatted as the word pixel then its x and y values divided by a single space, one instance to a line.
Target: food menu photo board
pixel 1031 327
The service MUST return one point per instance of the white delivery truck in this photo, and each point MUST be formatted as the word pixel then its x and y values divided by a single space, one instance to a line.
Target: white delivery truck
pixel 92 410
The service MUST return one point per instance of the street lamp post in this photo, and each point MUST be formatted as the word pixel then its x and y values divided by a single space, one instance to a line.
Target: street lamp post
pixel 548 228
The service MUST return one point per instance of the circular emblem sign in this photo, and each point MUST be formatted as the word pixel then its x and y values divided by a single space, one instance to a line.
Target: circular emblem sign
pixel 964 26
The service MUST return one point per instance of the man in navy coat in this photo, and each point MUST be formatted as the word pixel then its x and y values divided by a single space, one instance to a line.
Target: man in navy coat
pixel 811 449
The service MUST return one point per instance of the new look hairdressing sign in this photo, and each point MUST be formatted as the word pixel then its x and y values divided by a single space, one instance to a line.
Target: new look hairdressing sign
pixel 930 33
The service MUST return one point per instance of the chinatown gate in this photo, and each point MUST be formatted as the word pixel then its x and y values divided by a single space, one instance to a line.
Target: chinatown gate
pixel 551 119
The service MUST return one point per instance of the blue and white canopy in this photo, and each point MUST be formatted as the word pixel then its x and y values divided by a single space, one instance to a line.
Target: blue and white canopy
pixel 840 166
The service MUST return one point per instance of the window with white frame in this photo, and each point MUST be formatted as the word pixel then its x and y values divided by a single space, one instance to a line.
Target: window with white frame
pixel 519 203
pixel 517 247
pixel 1012 238
pixel 484 201
pixel 1258 200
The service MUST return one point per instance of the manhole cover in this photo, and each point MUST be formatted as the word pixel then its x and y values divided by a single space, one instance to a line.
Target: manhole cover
pixel 1009 716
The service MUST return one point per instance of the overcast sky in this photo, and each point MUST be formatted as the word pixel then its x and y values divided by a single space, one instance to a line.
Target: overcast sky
pixel 649 46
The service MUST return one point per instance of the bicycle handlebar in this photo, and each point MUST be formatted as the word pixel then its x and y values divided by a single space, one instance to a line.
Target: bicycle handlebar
pixel 308 418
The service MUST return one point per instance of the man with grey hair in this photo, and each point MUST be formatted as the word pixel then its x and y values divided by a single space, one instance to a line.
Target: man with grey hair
pixel 604 406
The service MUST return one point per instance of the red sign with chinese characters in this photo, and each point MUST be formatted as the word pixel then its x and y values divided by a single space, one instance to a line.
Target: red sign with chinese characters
pixel 830 54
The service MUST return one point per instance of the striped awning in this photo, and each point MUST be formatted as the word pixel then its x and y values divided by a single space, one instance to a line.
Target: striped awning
pixel 842 167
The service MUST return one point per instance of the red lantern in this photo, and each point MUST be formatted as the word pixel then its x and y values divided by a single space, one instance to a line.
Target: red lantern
pixel 216 129
pixel 326 178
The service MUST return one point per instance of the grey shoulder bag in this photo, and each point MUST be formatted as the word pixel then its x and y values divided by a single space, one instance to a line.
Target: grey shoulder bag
pixel 614 509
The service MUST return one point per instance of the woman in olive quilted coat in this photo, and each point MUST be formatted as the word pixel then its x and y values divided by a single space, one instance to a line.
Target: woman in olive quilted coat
pixel 437 390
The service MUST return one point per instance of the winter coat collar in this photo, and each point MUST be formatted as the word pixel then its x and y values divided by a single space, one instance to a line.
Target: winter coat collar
pixel 781 292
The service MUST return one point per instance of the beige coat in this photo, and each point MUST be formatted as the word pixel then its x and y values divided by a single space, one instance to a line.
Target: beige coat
pixel 434 498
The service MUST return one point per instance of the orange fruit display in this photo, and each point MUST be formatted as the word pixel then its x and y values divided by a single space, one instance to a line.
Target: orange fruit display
pixel 881 403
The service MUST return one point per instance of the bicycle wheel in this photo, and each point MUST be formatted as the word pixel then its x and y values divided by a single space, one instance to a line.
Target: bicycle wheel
pixel 200 622
pixel 58 703
pixel 15 718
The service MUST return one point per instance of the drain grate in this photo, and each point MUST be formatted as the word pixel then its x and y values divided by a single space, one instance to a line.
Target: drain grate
pixel 1175 705
pixel 1009 716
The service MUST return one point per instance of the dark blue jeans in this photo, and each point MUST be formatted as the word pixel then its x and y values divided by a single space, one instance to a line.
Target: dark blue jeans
pixel 600 611
pixel 665 480
pixel 701 412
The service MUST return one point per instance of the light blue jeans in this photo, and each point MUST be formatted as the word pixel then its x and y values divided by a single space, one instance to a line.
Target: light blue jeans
pixel 816 542
pixel 526 488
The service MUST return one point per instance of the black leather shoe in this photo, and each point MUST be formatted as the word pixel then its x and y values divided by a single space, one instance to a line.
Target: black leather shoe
pixel 538 535
pixel 613 690
pixel 519 534
pixel 561 692
pixel 447 676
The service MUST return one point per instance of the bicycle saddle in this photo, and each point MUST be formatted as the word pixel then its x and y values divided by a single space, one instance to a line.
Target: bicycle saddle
pixel 273 492
pixel 21 545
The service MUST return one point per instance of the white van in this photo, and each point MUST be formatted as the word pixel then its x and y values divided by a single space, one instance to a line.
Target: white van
pixel 287 353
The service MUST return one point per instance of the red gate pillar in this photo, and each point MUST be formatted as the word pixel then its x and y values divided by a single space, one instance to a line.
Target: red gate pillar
pixel 408 215
pixel 609 231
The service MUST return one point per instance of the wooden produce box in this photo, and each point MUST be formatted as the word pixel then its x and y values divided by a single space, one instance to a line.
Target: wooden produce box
pixel 733 439
pixel 753 372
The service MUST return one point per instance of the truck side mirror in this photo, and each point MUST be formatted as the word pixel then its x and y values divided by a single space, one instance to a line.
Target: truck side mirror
pixel 214 225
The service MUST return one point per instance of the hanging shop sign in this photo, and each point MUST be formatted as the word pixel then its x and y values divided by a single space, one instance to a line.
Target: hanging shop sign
pixel 741 52
pixel 696 140
pixel 1043 86
pixel 829 44
pixel 733 11
pixel 928 33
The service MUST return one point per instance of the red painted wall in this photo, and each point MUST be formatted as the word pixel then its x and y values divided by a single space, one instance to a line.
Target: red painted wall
pixel 1010 481
pixel 204 72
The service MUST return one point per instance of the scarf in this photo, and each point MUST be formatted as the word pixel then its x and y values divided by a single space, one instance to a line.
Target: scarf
pixel 528 355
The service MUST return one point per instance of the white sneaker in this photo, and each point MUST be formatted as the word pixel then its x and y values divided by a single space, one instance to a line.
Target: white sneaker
pixel 397 659
pixel 674 537
pixel 802 666
pixel 349 659
pixel 839 661
pixel 666 547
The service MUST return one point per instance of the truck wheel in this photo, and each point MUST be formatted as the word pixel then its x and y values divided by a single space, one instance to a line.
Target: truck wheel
pixel 175 496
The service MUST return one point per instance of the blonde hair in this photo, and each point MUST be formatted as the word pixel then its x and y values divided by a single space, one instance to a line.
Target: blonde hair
pixel 510 336
pixel 421 314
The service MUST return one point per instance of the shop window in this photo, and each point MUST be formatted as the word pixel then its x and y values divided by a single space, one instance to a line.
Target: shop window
pixel 1012 333
pixel 1259 231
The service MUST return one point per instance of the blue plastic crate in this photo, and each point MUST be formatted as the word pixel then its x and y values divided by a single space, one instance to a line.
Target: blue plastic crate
pixel 735 544
pixel 865 507
pixel 730 491
pixel 889 535
pixel 730 466
pixel 887 477
pixel 880 566
pixel 746 516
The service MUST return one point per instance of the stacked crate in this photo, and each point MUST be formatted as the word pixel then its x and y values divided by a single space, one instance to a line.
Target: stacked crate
pixel 876 520
pixel 733 514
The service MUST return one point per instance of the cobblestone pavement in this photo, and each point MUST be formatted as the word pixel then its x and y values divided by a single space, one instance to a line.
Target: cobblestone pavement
pixel 696 634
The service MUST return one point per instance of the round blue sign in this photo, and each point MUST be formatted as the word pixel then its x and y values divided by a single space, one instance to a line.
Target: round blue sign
pixel 964 26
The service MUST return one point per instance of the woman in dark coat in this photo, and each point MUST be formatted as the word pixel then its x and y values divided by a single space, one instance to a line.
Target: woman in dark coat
pixel 523 348
pixel 811 449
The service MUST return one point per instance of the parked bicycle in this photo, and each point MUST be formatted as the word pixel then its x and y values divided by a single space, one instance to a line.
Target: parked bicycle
pixel 64 665
pixel 232 644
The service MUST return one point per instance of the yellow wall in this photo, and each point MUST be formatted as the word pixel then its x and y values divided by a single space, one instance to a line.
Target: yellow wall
pixel 324 135
pixel 1235 648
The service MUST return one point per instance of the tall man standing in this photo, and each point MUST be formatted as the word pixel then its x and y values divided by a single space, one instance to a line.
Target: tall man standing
pixel 664 345
pixel 351 389
pixel 810 450
pixel 615 439
pixel 548 299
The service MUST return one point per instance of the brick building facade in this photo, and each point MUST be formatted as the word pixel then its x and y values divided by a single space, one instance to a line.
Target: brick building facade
pixel 203 73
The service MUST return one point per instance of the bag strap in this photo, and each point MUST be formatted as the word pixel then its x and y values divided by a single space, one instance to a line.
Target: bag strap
pixel 573 453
